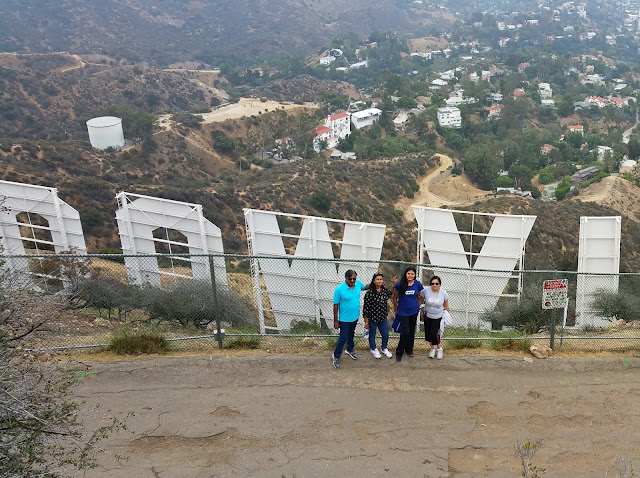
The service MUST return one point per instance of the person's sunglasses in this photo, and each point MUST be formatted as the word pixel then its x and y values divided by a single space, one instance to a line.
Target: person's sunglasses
pixel 351 278
pixel 435 283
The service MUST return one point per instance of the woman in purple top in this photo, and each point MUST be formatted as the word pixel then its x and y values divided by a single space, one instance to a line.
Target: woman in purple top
pixel 406 305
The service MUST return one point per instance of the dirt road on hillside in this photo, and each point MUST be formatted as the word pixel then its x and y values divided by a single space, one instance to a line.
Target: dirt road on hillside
pixel 439 188
pixel 247 107
pixel 277 416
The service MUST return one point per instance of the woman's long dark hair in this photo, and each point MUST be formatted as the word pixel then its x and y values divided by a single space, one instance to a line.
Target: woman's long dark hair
pixel 404 284
pixel 372 286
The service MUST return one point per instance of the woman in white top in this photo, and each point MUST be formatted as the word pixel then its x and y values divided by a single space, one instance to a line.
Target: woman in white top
pixel 436 301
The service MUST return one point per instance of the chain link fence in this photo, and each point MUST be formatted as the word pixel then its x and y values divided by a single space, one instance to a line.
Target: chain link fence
pixel 285 304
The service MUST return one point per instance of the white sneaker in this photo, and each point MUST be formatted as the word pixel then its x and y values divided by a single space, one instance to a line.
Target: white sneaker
pixel 439 356
pixel 387 353
pixel 432 353
pixel 375 353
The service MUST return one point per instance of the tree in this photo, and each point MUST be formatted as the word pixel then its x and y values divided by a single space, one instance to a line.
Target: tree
pixel 321 201
pixel 563 188
pixel 41 431
pixel 504 182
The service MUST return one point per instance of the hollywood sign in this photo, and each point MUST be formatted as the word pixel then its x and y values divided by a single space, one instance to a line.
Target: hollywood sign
pixel 292 287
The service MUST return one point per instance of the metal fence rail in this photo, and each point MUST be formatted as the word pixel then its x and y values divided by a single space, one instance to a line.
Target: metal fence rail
pixel 285 304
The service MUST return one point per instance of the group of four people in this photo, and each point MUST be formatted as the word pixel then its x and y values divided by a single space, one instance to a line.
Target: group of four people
pixel 408 294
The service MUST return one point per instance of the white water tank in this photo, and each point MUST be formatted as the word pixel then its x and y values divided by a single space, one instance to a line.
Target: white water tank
pixel 106 132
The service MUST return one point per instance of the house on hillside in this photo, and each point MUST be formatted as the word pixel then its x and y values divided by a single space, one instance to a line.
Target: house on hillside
pixel 585 174
pixel 596 101
pixel 400 120
pixel 322 133
pixel 518 92
pixel 340 124
pixel 494 112
pixel 546 149
pixel 619 102
pixel 545 91
pixel 576 128
pixel 449 117
pixel 367 117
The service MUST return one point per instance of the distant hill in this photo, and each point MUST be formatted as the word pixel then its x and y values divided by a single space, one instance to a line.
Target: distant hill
pixel 50 96
pixel 161 32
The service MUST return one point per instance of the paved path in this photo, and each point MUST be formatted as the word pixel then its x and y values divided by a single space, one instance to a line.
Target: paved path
pixel 294 415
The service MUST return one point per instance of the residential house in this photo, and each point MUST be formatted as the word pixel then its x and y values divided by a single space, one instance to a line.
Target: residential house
pixel 439 83
pixel 628 166
pixel 449 117
pixel 494 112
pixel 497 97
pixel 602 151
pixel 423 100
pixel 367 117
pixel 576 128
pixel 545 91
pixel 546 149
pixel 400 120
pixel 523 66
pixel 619 102
pixel 340 124
pixel 547 103
pixel 454 101
pixel 596 100
pixel 474 77
pixel 327 60
pixel 502 42
pixel 518 92
pixel 324 133
pixel 360 64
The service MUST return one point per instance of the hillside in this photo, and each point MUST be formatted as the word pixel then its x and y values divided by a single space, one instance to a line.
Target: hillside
pixel 616 193
pixel 163 32
pixel 50 97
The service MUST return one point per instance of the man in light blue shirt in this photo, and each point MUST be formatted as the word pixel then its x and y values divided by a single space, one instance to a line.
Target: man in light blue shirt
pixel 346 310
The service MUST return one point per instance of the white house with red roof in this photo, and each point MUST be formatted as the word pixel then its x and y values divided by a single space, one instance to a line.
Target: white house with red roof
pixel 323 133
pixel 576 128
pixel 619 102
pixel 340 124
pixel 518 92
pixel 546 149
pixel 596 100
pixel 494 112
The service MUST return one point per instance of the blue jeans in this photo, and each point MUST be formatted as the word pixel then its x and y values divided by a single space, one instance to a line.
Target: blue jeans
pixel 347 329
pixel 383 327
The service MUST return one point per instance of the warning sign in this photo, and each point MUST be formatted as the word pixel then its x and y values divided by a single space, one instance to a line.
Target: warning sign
pixel 554 293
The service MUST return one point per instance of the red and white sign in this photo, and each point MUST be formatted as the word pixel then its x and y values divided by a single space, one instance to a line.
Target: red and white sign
pixel 554 293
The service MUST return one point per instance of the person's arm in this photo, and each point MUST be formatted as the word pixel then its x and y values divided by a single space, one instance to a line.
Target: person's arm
pixel 395 301
pixel 420 298
pixel 336 323
pixel 445 304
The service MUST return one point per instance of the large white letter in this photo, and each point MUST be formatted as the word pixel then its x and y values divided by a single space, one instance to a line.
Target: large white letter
pixel 139 216
pixel 46 221
pixel 472 290
pixel 303 290
pixel 598 253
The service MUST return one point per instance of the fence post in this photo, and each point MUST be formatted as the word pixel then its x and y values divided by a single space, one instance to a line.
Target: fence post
pixel 553 328
pixel 216 312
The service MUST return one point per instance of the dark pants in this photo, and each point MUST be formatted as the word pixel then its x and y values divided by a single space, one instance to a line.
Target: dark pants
pixel 432 330
pixel 347 329
pixel 383 327
pixel 408 334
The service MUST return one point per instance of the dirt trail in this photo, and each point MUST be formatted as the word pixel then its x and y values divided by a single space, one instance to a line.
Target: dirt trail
pixel 273 415
pixel 438 189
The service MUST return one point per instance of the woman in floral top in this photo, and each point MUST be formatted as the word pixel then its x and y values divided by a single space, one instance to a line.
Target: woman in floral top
pixel 375 312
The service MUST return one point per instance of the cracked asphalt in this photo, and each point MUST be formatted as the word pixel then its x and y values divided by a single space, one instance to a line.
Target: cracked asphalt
pixel 295 416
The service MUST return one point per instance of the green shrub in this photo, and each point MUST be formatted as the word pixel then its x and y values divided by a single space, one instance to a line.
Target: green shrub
pixel 511 343
pixel 242 342
pixel 463 344
pixel 308 328
pixel 192 302
pixel 527 316
pixel 148 340
pixel 617 305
